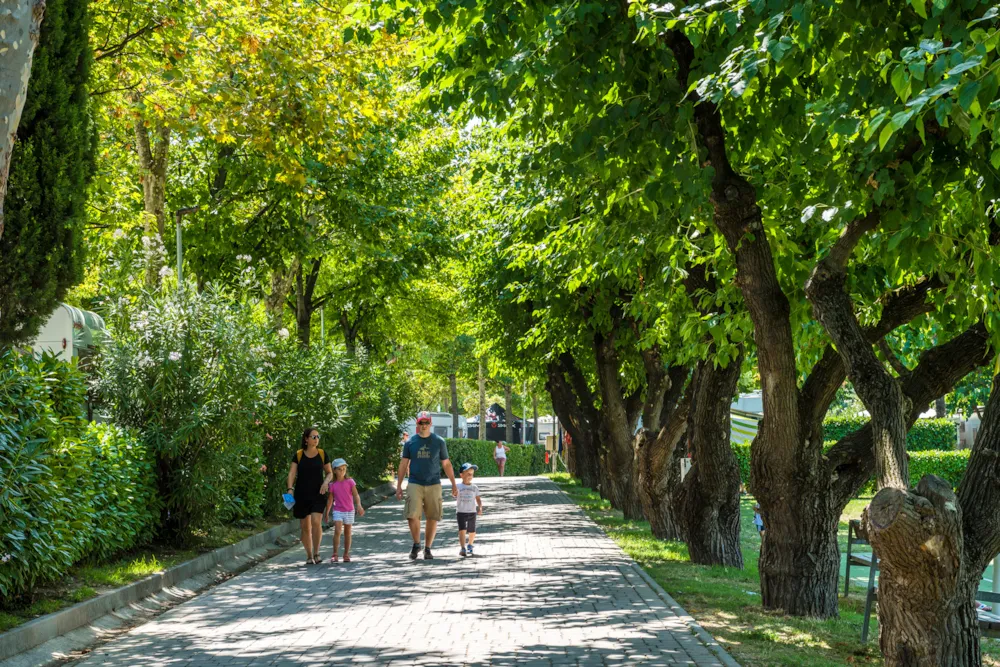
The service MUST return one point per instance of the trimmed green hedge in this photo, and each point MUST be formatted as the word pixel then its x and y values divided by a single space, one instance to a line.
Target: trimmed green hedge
pixel 949 465
pixel 70 490
pixel 926 434
pixel 521 459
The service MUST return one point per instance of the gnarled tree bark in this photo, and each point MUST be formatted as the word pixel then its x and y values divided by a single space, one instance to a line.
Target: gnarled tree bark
pixel 926 580
pixel 709 497
pixel 574 404
pixel 619 415
pixel 659 447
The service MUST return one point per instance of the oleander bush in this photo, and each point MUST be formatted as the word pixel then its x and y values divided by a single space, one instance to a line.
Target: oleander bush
pixel 355 402
pixel 926 434
pixel 69 490
pixel 521 459
pixel 185 369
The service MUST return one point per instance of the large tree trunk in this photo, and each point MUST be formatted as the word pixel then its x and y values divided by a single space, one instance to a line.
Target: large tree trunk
pixel 617 429
pixel 453 383
pixel 940 409
pixel 659 456
pixel 153 153
pixel 927 571
pixel 573 403
pixel 508 418
pixel 20 24
pixel 482 402
pixel 711 491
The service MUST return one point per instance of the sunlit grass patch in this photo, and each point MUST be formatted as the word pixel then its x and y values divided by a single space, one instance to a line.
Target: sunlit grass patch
pixel 726 601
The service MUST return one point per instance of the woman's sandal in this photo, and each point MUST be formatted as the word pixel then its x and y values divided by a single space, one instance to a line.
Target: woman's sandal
pixel 333 558
pixel 309 560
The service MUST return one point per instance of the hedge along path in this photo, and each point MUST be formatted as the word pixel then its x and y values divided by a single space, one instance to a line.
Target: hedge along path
pixel 521 459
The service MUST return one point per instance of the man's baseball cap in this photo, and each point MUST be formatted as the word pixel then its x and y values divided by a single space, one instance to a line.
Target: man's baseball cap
pixel 467 466
pixel 424 416
pixel 339 462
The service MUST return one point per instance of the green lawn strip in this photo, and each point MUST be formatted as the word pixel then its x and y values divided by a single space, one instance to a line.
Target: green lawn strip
pixel 87 580
pixel 726 602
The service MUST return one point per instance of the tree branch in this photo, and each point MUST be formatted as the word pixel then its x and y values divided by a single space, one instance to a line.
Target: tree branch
pixel 120 46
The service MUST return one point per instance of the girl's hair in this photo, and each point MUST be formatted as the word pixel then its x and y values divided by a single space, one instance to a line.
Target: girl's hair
pixel 305 436
pixel 347 474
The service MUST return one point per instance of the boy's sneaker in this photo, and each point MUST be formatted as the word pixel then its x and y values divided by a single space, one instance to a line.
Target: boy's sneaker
pixel 469 549
pixel 427 554
pixel 414 552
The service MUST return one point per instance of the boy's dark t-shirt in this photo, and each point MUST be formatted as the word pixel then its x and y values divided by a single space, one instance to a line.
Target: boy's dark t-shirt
pixel 426 455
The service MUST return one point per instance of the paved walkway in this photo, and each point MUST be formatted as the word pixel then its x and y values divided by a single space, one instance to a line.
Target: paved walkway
pixel 546 587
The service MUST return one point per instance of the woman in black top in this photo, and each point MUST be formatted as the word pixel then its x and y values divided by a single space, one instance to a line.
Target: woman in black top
pixel 307 482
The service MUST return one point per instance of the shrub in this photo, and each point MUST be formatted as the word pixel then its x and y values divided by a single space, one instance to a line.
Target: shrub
pixel 926 434
pixel 186 371
pixel 355 403
pixel 68 490
pixel 742 452
pixel 949 465
pixel 521 459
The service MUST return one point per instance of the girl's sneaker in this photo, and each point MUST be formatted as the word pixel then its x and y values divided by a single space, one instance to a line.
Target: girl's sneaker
pixel 462 553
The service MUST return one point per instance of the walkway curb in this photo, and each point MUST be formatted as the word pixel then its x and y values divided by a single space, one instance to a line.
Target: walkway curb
pixel 707 639
pixel 40 630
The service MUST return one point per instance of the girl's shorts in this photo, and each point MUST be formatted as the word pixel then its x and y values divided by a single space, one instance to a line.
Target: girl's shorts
pixel 346 517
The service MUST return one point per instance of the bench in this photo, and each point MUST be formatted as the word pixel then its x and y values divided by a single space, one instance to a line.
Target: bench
pixel 855 536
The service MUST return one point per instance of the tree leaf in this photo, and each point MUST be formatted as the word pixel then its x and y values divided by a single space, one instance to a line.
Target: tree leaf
pixel 920 7
pixel 883 137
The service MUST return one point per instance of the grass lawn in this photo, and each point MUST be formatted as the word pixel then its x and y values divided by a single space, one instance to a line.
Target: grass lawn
pixel 87 580
pixel 726 602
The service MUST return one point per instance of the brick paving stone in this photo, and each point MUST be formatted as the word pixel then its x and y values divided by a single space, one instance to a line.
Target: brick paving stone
pixel 546 587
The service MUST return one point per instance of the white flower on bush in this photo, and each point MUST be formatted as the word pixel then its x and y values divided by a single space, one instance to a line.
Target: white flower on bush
pixel 175 356
pixel 283 332
pixel 5 558
pixel 166 272
pixel 119 234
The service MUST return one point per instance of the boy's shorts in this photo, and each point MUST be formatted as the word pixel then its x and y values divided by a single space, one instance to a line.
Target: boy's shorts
pixel 467 521
pixel 426 499
pixel 346 517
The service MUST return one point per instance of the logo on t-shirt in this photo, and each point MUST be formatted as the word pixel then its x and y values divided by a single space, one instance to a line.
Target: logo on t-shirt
pixel 424 452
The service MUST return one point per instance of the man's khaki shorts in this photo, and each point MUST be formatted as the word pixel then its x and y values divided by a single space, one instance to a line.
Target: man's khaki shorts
pixel 426 499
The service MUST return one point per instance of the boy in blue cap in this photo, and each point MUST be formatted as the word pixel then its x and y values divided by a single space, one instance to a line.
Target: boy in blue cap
pixel 469 505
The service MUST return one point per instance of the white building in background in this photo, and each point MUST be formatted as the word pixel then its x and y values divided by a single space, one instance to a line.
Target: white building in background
pixel 69 333
pixel 441 424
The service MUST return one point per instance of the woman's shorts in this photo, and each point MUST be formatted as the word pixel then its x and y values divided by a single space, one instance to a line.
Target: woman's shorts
pixel 346 517
pixel 304 506
pixel 467 521
pixel 426 499
pixel 499 461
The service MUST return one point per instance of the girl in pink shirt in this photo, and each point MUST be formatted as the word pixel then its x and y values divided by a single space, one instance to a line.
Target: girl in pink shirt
pixel 343 498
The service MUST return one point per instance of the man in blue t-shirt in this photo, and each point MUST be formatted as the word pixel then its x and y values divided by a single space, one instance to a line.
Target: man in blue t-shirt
pixel 424 455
